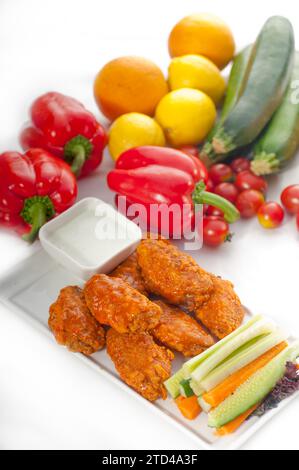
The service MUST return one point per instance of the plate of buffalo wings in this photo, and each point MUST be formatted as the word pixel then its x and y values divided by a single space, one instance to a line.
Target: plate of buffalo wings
pixel 138 324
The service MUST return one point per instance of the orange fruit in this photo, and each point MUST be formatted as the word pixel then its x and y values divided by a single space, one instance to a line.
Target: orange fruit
pixel 202 34
pixel 129 84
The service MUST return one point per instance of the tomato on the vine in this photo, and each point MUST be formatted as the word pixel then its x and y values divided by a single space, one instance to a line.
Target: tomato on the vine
pixel 210 186
pixel 214 212
pixel 270 215
pixel 220 172
pixel 227 190
pixel 290 198
pixel 248 180
pixel 215 231
pixel 240 164
pixel 248 202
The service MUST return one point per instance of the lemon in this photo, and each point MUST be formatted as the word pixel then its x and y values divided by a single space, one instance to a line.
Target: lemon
pixel 132 130
pixel 196 71
pixel 186 116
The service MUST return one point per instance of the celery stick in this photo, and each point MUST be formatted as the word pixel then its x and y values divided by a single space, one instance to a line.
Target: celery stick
pixel 197 389
pixel 259 328
pixel 253 390
pixel 172 385
pixel 243 356
pixel 206 407
pixel 193 363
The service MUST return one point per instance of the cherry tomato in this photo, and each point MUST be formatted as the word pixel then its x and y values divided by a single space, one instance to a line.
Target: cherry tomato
pixel 290 198
pixel 270 215
pixel 214 212
pixel 248 202
pixel 221 172
pixel 248 180
pixel 297 221
pixel 215 231
pixel 228 191
pixel 190 150
pixel 240 164
pixel 205 208
pixel 210 186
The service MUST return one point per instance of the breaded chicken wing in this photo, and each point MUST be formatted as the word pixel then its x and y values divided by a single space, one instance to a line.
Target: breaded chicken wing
pixel 180 332
pixel 129 271
pixel 223 312
pixel 174 275
pixel 140 362
pixel 72 323
pixel 114 302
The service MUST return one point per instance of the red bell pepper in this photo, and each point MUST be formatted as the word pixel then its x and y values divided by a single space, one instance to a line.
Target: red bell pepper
pixel 34 187
pixel 149 155
pixel 65 128
pixel 164 176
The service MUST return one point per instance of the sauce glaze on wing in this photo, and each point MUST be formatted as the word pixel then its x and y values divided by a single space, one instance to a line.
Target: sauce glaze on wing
pixel 174 275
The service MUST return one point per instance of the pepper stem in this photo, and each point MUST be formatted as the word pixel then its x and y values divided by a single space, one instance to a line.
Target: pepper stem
pixel 36 211
pixel 79 160
pixel 76 152
pixel 200 196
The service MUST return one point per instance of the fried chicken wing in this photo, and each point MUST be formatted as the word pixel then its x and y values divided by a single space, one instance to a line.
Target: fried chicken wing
pixel 72 323
pixel 174 275
pixel 140 362
pixel 223 312
pixel 180 332
pixel 129 271
pixel 114 302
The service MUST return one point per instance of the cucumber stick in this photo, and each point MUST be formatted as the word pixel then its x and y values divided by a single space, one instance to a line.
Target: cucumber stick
pixel 254 390
pixel 278 144
pixel 257 329
pixel 172 384
pixel 193 363
pixel 236 83
pixel 244 356
pixel 272 63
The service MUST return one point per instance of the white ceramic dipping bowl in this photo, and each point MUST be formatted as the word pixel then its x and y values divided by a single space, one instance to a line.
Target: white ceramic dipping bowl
pixel 90 237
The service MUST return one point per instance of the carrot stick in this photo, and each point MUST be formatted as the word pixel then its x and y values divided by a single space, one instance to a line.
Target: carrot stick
pixel 189 406
pixel 218 394
pixel 231 427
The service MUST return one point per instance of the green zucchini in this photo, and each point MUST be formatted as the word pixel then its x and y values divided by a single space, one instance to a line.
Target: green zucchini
pixel 268 79
pixel 280 141
pixel 236 83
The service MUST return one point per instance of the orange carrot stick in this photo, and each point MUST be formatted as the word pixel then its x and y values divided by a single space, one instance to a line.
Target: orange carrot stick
pixel 216 396
pixel 189 406
pixel 231 427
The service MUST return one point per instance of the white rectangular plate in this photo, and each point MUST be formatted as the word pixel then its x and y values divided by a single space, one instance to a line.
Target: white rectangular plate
pixel 32 285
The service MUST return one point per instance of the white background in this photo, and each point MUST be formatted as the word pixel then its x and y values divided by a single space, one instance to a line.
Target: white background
pixel 48 399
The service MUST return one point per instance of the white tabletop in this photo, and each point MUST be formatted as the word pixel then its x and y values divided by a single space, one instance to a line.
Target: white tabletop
pixel 49 399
